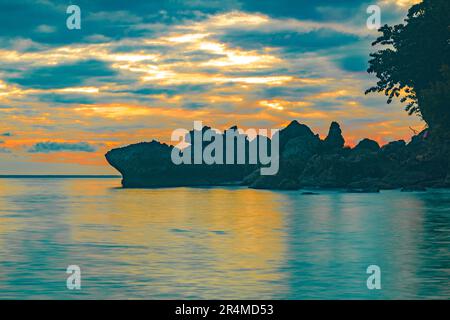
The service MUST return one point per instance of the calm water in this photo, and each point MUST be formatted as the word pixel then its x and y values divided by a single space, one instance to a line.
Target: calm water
pixel 221 243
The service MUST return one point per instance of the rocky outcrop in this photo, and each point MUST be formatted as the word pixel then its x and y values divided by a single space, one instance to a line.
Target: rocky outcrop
pixel 334 139
pixel 366 145
pixel 149 165
pixel 305 161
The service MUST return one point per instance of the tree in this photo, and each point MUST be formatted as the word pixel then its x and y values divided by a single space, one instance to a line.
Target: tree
pixel 414 62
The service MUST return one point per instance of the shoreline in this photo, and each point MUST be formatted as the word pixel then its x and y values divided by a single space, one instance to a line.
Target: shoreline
pixel 56 176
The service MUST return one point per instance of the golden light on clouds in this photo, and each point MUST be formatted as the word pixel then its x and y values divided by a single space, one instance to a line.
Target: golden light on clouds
pixel 271 80
pixel 332 94
pixel 219 99
pixel 402 3
pixel 147 86
pixel 79 90
pixel 172 78
pixel 235 18
pixel 271 104
pixel 237 57
pixel 187 38
pixel 134 57
pixel 114 112
pixel 249 61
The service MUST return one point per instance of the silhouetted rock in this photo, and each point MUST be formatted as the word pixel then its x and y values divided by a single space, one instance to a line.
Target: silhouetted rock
pixel 297 145
pixel 446 183
pixel 394 147
pixel 363 190
pixel 305 161
pixel 414 189
pixel 149 165
pixel 334 139
pixel 367 145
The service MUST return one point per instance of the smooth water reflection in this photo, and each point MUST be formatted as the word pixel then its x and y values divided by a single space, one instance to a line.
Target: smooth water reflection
pixel 219 243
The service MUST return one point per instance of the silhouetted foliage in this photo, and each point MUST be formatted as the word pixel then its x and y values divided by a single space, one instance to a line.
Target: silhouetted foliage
pixel 414 63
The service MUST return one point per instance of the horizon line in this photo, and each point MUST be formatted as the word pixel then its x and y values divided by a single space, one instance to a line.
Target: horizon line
pixel 59 176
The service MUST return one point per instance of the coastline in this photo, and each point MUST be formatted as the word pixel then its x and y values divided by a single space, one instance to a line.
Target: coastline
pixel 305 161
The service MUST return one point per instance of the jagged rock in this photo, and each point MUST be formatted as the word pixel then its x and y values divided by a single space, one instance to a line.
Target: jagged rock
pixel 295 130
pixel 297 144
pixel 334 139
pixel 367 145
pixel 395 151
pixel 326 171
pixel 149 165
pixel 394 146
pixel 266 182
pixel 301 148
pixel 447 180
pixel 305 161
pixel 251 178
pixel 289 184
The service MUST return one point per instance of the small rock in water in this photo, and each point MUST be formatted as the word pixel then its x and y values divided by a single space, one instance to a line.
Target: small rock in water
pixel 363 190
pixel 414 189
pixel 308 193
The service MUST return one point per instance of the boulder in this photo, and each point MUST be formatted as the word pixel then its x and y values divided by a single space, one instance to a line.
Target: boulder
pixel 367 145
pixel 334 139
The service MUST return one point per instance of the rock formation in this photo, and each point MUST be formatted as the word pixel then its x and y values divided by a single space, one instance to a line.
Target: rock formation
pixel 305 161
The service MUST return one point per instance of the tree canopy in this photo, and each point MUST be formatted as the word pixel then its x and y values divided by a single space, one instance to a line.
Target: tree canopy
pixel 414 62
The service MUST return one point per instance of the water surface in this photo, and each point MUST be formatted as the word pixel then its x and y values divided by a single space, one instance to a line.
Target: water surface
pixel 219 243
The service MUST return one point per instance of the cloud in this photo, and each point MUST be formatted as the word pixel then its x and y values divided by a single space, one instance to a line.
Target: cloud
pixel 64 75
pixel 354 63
pixel 291 41
pixel 47 147
pixel 136 72
pixel 4 150
pixel 401 3
pixel 194 105
pixel 299 9
pixel 44 21
pixel 171 90
pixel 57 98
pixel 45 28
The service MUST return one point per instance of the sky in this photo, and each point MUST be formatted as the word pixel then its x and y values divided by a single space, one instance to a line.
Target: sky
pixel 137 70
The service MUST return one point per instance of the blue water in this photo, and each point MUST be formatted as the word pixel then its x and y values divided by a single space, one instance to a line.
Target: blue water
pixel 219 243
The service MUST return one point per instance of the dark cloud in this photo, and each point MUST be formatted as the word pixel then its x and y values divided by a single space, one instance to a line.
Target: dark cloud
pixel 287 93
pixel 65 75
pixel 293 42
pixel 354 63
pixel 21 18
pixel 194 105
pixel 4 150
pixel 45 21
pixel 59 98
pixel 303 9
pixel 172 90
pixel 6 134
pixel 260 73
pixel 47 147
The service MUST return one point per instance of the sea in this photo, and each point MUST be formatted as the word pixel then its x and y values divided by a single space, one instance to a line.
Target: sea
pixel 219 242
